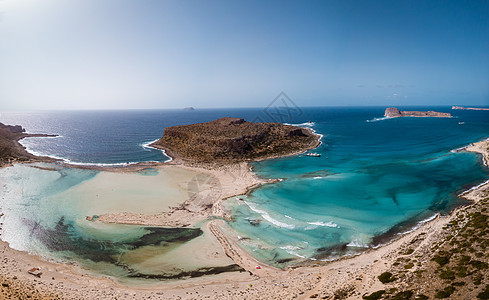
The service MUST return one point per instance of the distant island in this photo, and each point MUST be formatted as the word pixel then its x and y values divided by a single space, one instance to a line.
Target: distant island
pixel 189 108
pixel 393 112
pixel 11 150
pixel 469 108
pixel 230 140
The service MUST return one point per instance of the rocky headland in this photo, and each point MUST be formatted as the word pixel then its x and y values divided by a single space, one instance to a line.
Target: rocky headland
pixel 231 140
pixel 469 108
pixel 11 150
pixel 393 112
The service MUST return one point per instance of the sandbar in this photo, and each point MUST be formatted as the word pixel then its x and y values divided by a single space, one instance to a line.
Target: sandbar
pixel 349 277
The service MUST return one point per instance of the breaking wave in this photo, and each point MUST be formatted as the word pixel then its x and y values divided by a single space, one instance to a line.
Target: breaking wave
pixel 267 217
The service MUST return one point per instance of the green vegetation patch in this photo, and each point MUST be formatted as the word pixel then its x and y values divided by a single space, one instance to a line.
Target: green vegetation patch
pixel 375 295
pixel 386 277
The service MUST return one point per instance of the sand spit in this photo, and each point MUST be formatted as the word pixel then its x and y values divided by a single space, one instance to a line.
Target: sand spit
pixel 206 191
pixel 347 278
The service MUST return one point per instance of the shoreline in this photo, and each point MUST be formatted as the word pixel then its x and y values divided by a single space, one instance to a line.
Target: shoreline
pixel 268 282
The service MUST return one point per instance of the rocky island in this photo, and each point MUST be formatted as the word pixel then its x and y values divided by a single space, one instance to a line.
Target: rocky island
pixel 393 112
pixel 11 150
pixel 469 108
pixel 230 140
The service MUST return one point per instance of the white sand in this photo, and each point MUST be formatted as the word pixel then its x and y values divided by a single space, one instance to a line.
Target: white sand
pixel 358 275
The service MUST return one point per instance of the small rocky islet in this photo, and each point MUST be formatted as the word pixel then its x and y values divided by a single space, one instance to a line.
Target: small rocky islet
pixel 392 112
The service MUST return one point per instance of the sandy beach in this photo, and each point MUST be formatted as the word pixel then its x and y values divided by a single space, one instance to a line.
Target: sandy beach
pixel 347 278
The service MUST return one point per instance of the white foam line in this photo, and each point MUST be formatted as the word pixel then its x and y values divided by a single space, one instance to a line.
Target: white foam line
pixel 379 119
pixel 295 253
pixel 357 244
pixel 292 250
pixel 306 124
pixel 290 247
pixel 147 145
pixel 309 126
pixel 473 188
pixel 328 224
pixel 76 163
pixel 420 223
pixel 267 217
pixel 465 148
pixel 458 149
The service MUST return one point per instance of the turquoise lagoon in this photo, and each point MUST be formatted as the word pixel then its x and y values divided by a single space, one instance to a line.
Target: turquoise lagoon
pixel 376 178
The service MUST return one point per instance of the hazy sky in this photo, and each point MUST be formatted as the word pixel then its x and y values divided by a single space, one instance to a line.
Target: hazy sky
pixel 170 54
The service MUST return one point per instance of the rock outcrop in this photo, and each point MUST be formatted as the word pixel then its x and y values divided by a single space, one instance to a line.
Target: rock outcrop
pixel 469 108
pixel 12 128
pixel 393 112
pixel 229 140
pixel 10 149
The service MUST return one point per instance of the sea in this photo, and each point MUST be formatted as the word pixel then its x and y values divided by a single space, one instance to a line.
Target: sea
pixel 373 178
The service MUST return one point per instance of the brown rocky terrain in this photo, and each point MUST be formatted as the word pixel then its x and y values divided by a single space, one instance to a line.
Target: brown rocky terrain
pixel 455 266
pixel 469 108
pixel 393 112
pixel 230 140
pixel 10 149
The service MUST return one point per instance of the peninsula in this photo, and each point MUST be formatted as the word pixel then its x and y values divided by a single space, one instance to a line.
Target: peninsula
pixel 469 108
pixel 231 140
pixel 11 150
pixel 393 112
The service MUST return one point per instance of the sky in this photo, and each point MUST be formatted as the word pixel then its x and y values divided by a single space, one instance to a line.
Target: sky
pixel 149 54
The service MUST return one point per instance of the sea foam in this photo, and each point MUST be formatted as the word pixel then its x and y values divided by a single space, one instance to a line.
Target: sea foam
pixel 267 217
pixel 147 146
pixel 379 119
pixel 328 224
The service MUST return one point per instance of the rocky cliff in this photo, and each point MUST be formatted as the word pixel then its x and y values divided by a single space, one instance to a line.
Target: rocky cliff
pixel 10 149
pixel 229 140
pixel 393 112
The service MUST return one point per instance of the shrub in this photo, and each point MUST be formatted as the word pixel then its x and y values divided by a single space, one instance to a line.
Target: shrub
pixel 441 259
pixel 447 291
pixel 375 295
pixel 405 295
pixel 442 294
pixel 409 251
pixel 477 279
pixel 409 265
pixel 461 271
pixel 479 264
pixel 484 294
pixel 386 277
pixel 447 274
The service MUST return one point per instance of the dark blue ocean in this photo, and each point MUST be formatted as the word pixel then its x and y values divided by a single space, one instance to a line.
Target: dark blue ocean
pixel 375 178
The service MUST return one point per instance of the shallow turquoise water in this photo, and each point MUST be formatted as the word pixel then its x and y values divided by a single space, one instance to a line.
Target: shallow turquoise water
pixel 375 178
pixel 43 215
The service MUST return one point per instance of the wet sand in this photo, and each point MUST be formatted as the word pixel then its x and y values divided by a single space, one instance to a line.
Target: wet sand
pixel 347 278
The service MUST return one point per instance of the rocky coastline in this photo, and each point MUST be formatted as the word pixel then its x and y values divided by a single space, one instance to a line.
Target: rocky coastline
pixel 392 112
pixel 11 151
pixel 469 108
pixel 232 140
